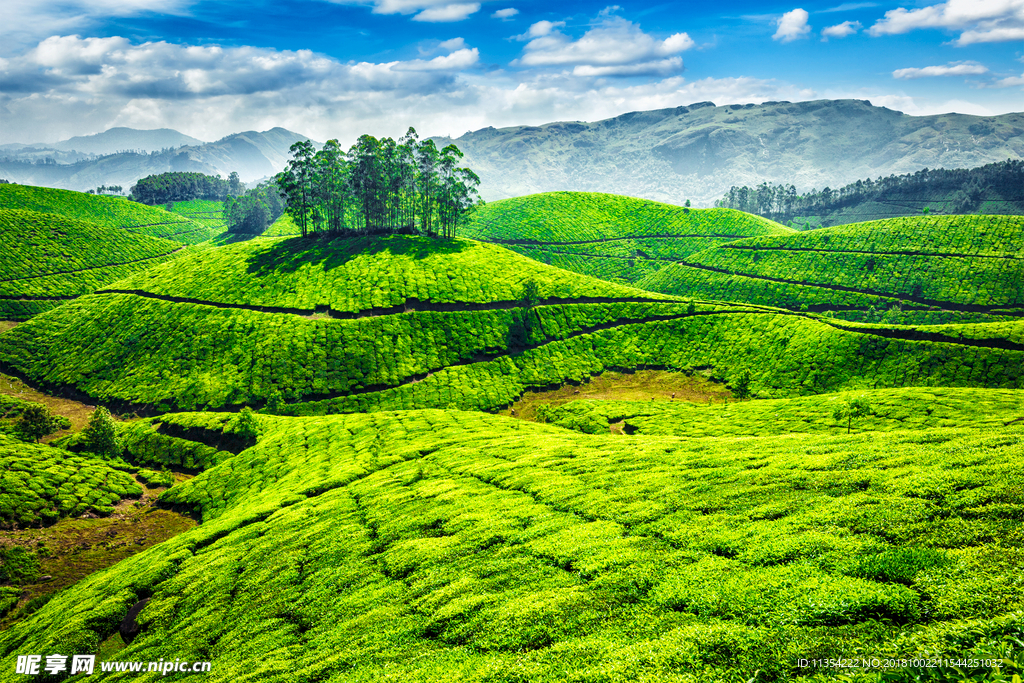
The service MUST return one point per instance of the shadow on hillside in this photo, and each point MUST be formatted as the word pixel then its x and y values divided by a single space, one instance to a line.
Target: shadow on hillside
pixel 287 256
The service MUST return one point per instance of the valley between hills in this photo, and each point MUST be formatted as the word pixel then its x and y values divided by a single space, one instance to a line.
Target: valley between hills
pixel 589 438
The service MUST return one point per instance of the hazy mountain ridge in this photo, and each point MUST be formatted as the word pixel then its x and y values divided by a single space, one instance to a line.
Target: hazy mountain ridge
pixel 699 151
pixel 253 154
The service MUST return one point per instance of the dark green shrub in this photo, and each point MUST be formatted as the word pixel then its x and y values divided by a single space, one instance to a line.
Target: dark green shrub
pixel 18 565
pixel 100 436
pixel 36 422
pixel 899 565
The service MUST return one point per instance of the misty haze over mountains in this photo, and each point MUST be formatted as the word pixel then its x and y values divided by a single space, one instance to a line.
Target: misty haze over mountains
pixel 694 152
pixel 252 154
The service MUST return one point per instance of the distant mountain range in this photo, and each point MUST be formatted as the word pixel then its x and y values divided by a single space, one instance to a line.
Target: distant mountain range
pixel 252 154
pixel 696 152
pixel 699 151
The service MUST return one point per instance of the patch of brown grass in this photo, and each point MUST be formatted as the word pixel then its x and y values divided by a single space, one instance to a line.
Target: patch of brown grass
pixel 72 549
pixel 78 413
pixel 642 385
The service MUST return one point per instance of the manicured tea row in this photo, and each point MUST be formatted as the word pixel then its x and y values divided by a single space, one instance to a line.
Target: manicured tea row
pixel 428 546
pixel 574 216
pixel 785 355
pixel 889 409
pixel 355 274
pixel 38 244
pixel 129 348
pixel 41 484
pixel 105 210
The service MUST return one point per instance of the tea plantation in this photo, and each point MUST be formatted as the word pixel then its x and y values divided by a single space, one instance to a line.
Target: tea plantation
pixel 443 545
pixel 887 410
pixel 46 259
pixel 40 484
pixel 107 211
pixel 937 268
pixel 401 322
pixel 609 236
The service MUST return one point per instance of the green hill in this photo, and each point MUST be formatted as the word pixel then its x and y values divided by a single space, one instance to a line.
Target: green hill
pixel 889 409
pixel 991 189
pixel 361 324
pixel 937 269
pixel 609 236
pixel 107 211
pixel 441 545
pixel 41 484
pixel 47 259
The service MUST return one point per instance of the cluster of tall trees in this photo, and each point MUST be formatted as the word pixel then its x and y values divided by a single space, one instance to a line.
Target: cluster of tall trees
pixel 181 186
pixel 378 186
pixel 965 189
pixel 252 211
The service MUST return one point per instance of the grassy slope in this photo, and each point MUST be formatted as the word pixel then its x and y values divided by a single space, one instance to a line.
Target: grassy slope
pixel 46 258
pixel 350 275
pixel 412 322
pixel 962 267
pixel 625 239
pixel 111 212
pixel 430 546
pixel 41 484
pixel 890 409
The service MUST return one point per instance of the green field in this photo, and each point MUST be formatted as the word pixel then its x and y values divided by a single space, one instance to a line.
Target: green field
pixel 889 409
pixel 46 259
pixel 401 322
pixel 41 484
pixel 107 211
pixel 441 545
pixel 616 238
pixel 844 480
pixel 937 269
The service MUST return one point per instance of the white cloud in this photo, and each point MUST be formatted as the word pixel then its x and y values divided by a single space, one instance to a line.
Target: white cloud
pixel 1011 82
pixel 615 47
pixel 981 21
pixel 541 28
pixel 953 69
pixel 452 45
pixel 840 30
pixel 445 13
pixel 456 61
pixel 506 13
pixel 792 26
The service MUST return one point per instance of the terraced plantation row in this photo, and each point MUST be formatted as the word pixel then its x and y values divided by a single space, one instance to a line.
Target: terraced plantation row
pixel 107 211
pixel 608 236
pixel 350 275
pixel 953 265
pixel 46 259
pixel 887 410
pixel 472 337
pixel 41 484
pixel 482 548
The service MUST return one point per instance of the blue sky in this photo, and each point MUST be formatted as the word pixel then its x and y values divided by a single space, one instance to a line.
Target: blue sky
pixel 337 69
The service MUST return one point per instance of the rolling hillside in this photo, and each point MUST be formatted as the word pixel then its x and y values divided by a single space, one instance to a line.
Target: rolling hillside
pixel 889 410
pixel 699 151
pixel 621 239
pixel 47 259
pixel 402 322
pixel 442 545
pixel 938 269
pixel 106 211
